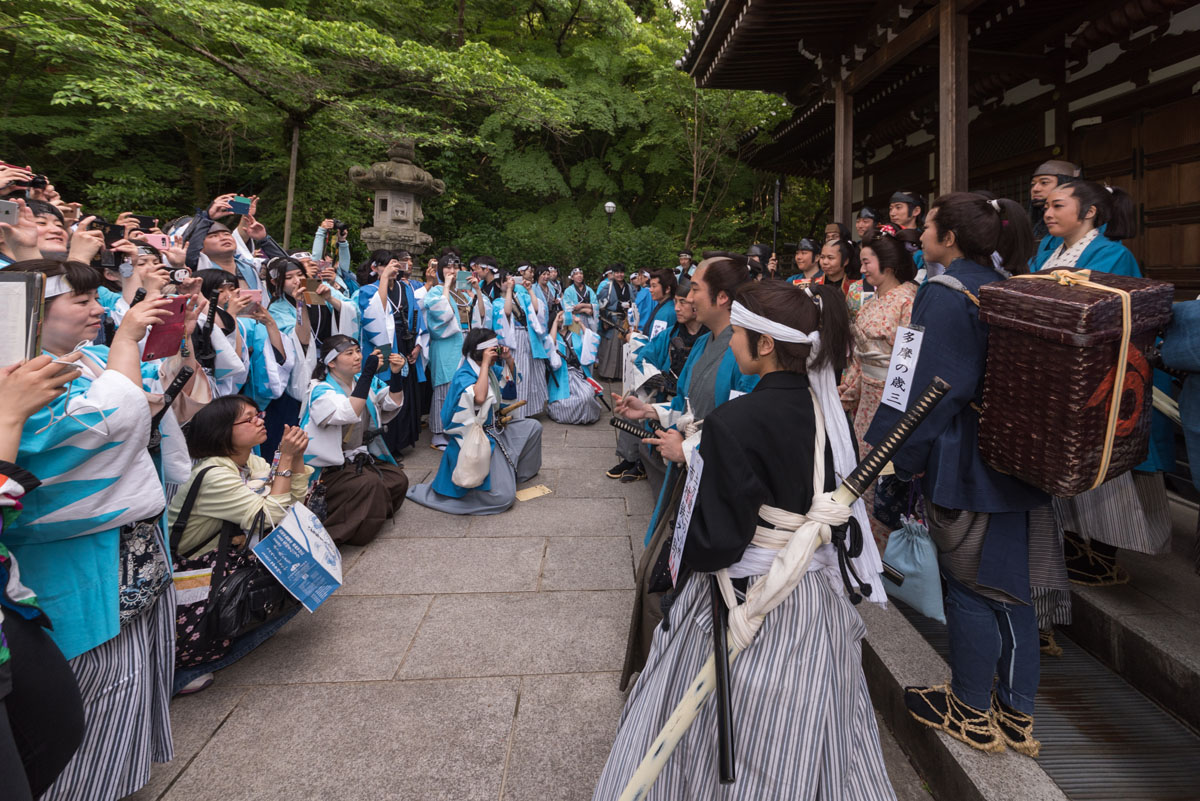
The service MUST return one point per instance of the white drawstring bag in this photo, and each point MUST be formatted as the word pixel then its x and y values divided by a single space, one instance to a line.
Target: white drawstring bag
pixel 475 454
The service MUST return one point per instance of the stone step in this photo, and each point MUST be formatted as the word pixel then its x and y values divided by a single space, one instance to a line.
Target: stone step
pixel 895 655
pixel 1148 631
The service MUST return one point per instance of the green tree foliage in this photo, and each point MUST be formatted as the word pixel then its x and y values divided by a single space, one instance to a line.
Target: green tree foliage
pixel 534 113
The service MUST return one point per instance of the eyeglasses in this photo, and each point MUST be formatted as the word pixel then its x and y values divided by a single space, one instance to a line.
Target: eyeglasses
pixel 256 416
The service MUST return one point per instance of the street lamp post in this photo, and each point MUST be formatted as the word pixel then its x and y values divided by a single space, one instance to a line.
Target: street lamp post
pixel 610 209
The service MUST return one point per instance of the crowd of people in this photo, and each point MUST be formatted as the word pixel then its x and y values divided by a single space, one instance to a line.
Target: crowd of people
pixel 134 476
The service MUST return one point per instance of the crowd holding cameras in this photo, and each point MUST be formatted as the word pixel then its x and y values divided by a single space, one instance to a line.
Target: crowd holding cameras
pixel 196 381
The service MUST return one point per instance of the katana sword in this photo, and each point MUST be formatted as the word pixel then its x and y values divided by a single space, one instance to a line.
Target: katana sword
pixel 851 489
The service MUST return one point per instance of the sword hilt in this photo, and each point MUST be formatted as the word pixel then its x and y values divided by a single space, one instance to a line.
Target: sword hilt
pixel 630 427
pixel 873 463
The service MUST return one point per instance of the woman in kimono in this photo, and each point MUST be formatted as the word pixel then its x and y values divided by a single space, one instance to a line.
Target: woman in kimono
pixel 100 496
pixel 525 335
pixel 978 518
pixel 516 448
pixel 390 319
pixel 763 464
pixel 1088 221
pixel 342 417
pixel 572 398
pixel 888 267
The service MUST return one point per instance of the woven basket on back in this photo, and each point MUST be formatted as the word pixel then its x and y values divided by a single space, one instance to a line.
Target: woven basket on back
pixel 1051 363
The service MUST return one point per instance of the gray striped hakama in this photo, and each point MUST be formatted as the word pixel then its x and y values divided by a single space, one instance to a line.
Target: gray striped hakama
pixel 531 387
pixel 1130 511
pixel 523 439
pixel 581 408
pixel 610 357
pixel 804 728
pixel 435 408
pixel 126 689
pixel 1049 586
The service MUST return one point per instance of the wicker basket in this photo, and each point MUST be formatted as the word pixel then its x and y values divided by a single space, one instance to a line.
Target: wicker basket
pixel 1051 363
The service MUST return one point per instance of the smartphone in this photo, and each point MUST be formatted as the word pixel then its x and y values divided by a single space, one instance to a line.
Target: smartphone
pixel 144 223
pixel 157 241
pixel 112 233
pixel 240 205
pixel 9 212
pixel 310 292
pixel 165 338
pixel 462 280
pixel 255 295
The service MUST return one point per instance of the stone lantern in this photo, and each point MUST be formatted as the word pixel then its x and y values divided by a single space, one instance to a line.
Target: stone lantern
pixel 400 188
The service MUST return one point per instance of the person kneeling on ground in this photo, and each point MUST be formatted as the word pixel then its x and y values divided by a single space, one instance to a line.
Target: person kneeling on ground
pixel 516 449
pixel 344 415
pixel 238 488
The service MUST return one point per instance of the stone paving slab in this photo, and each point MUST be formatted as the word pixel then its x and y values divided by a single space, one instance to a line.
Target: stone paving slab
pixel 587 563
pixel 429 740
pixel 554 516
pixel 349 638
pixel 510 634
pixel 563 733
pixel 415 520
pixel 432 565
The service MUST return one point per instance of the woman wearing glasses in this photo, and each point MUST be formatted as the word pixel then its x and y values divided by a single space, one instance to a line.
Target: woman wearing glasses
pixel 236 486
pixel 100 499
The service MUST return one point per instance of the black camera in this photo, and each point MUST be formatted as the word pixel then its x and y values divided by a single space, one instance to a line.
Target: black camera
pixel 180 275
pixel 341 227
pixel 38 182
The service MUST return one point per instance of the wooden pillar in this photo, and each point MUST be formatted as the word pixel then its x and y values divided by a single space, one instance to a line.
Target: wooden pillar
pixel 843 154
pixel 952 89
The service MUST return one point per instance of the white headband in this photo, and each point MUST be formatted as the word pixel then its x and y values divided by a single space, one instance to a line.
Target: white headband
pixel 333 354
pixel 487 343
pixel 739 315
pixel 57 285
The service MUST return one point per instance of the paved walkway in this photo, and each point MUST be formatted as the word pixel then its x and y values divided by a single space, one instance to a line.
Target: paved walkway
pixel 464 659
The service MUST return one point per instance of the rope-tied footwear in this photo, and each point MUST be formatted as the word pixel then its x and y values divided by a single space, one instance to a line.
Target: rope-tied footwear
pixel 938 708
pixel 1016 728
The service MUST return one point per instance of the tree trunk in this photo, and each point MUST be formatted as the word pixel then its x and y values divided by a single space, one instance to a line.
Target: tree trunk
pixel 195 168
pixel 291 190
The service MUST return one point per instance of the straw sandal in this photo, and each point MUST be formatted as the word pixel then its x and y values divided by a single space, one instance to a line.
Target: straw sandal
pixel 1048 645
pixel 937 708
pixel 1016 728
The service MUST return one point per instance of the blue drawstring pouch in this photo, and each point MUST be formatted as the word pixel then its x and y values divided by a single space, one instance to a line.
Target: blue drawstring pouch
pixel 910 550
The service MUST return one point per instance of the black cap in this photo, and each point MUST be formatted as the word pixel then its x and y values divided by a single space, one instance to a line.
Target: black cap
pixel 867 213
pixel 806 244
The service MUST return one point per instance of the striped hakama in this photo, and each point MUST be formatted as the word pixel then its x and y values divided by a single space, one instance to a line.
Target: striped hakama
pixel 531 386
pixel 610 358
pixel 1049 587
pixel 1130 511
pixel 579 409
pixel 804 727
pixel 126 689
pixel 435 408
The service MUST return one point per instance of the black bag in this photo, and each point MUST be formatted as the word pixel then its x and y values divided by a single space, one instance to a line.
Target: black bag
pixel 243 594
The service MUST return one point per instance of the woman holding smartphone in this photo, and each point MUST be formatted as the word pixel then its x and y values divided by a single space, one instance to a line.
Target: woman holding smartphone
pixel 516 448
pixel 98 509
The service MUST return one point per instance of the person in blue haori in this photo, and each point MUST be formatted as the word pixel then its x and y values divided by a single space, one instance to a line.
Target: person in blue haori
pixel 445 309
pixel 100 488
pixel 343 414
pixel 686 265
pixel 579 302
pixel 392 320
pixel 978 518
pixel 639 281
pixel 470 411
pixel 1046 178
pixel 1086 222
pixel 525 323
pixel 616 300
pixel 806 263
pixel 572 399
pixel 661 314
pixel 605 280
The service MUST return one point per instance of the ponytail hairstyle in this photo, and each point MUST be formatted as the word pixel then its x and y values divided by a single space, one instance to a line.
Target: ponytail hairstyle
pixel 471 342
pixel 274 273
pixel 367 272
pixel 1114 206
pixel 892 255
pixel 804 309
pixel 337 342
pixel 982 227
pixel 725 274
